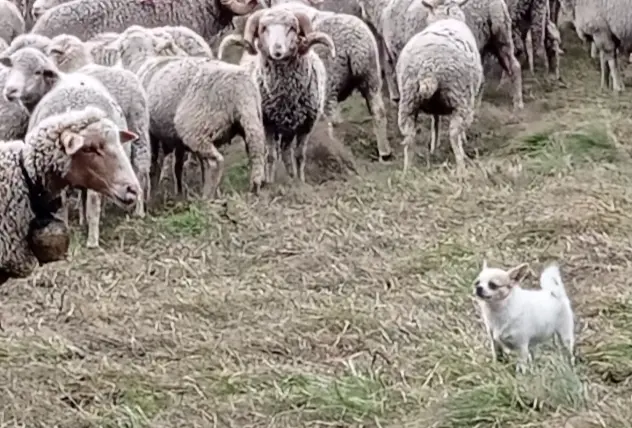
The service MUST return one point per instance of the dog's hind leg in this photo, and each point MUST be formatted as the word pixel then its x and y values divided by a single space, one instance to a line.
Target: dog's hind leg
pixel 524 358
pixel 567 338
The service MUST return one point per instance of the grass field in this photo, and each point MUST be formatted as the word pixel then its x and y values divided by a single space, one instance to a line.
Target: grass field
pixel 348 303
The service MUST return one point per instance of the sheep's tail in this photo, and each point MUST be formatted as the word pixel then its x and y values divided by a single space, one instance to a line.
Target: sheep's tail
pixel 551 280
pixel 427 87
pixel 231 39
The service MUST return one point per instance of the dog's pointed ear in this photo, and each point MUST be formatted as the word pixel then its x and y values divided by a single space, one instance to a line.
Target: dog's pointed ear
pixel 518 273
pixel 484 264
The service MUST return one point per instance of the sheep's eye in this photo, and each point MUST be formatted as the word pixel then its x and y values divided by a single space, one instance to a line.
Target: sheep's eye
pixel 493 286
pixel 55 52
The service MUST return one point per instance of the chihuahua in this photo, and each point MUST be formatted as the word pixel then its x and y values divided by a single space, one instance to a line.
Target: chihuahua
pixel 516 319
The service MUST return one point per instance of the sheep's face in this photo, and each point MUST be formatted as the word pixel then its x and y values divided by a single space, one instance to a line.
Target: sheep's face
pixel 278 35
pixel 97 161
pixel 31 76
pixel 68 52
pixel 444 9
pixel 41 6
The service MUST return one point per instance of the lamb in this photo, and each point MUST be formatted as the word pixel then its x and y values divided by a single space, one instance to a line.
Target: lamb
pixel 440 72
pixel 87 18
pixel 292 80
pixel 70 54
pixel 35 82
pixel 608 24
pixel 76 148
pixel 11 21
pixel 355 66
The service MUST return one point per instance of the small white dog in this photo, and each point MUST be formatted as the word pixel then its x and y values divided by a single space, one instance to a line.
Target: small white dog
pixel 516 318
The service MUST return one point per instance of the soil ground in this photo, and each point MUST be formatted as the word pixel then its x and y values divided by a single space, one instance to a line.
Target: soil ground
pixel 348 303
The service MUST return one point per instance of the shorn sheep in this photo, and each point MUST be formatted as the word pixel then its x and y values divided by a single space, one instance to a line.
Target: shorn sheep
pixel 70 54
pixel 356 66
pixel 87 18
pixel 35 82
pixel 607 24
pixel 197 105
pixel 439 72
pixel 77 148
pixel 292 80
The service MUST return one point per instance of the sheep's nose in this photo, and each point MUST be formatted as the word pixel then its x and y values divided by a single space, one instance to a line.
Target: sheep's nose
pixel 277 51
pixel 10 94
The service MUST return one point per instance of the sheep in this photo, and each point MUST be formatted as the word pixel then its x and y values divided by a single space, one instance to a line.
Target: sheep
pixel 41 6
pixel 11 21
pixel 440 72
pixel 607 24
pixel 24 8
pixel 69 55
pixel 356 65
pixel 292 80
pixel 76 148
pixel 186 39
pixel 15 118
pixel 489 20
pixel 87 18
pixel 27 40
pixel 35 82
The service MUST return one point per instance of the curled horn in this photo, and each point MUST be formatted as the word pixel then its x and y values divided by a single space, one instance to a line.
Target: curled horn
pixel 251 31
pixel 317 38
pixel 304 23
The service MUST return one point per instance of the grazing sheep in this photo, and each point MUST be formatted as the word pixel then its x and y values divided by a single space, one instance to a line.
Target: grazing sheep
pixel 292 80
pixel 27 40
pixel 35 82
pixel 77 148
pixel 356 66
pixel 607 24
pixel 439 72
pixel 11 21
pixel 72 55
pixel 87 18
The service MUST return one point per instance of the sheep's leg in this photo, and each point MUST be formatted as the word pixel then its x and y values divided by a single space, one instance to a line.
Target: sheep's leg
pixel 457 130
pixel 539 19
pixel 93 217
pixel 375 104
pixel 435 125
pixel 332 114
pixel 64 207
pixel 603 65
pixel 255 143
pixel 529 51
pixel 272 154
pixel 407 122
pixel 157 160
pixel 391 76
pixel 617 84
pixel 83 203
pixel 512 67
pixel 178 169
pixel 300 154
pixel 594 52
pixel 214 169
pixel 287 156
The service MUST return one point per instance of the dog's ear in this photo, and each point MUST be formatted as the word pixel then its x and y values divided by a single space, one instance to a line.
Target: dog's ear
pixel 518 273
pixel 484 264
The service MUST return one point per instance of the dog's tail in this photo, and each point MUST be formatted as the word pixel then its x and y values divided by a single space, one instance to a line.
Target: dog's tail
pixel 551 280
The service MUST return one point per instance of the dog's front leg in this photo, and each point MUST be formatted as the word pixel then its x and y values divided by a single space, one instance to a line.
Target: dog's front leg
pixel 524 358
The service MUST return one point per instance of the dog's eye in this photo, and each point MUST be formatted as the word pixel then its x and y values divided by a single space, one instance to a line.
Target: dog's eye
pixel 492 286
pixel 477 283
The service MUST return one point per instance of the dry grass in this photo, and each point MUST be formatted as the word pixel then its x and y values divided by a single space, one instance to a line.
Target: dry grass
pixel 348 303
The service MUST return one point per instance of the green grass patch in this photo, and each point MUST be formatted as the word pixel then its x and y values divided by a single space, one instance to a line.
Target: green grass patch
pixel 184 220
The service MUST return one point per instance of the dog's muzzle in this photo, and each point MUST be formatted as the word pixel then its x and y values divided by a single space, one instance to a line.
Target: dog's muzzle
pixel 480 292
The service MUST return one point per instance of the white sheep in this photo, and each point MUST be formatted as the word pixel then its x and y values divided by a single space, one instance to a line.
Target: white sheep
pixel 77 148
pixel 11 21
pixel 292 80
pixel 439 72
pixel 36 83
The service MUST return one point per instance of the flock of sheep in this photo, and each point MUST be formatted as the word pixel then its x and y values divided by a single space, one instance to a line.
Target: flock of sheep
pixel 301 58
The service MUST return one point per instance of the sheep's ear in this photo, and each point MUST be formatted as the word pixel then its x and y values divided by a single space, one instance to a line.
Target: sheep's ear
pixel 315 2
pixel 127 136
pixel 517 273
pixel 6 61
pixel 428 4
pixel 71 143
pixel 462 2
pixel 50 73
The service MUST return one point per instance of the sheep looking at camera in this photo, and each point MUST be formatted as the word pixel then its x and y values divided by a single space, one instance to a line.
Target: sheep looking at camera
pixel 439 72
pixel 58 152
pixel 292 80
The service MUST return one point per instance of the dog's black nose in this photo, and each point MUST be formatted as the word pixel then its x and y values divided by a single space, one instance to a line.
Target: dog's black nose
pixel 479 291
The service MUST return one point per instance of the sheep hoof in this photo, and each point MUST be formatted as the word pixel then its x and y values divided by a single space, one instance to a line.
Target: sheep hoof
pixel 386 158
pixel 92 244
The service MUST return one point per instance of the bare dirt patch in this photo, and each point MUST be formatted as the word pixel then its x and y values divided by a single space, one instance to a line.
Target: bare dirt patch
pixel 347 303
